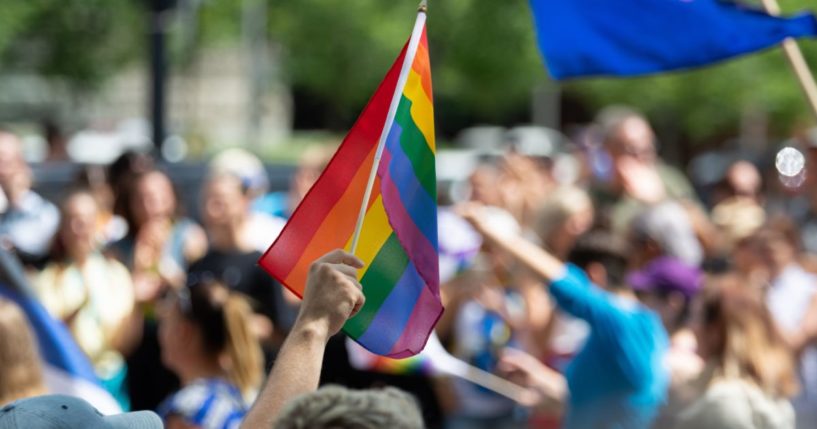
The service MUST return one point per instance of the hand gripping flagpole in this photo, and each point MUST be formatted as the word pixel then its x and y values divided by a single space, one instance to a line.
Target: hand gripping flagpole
pixel 408 60
pixel 796 60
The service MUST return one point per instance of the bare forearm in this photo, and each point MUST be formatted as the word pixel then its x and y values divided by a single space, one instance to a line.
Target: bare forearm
pixel 296 372
pixel 536 259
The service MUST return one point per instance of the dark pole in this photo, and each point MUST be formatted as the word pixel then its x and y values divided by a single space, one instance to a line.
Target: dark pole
pixel 158 69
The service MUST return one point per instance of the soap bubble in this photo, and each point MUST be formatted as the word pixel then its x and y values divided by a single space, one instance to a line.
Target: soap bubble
pixel 793 182
pixel 790 162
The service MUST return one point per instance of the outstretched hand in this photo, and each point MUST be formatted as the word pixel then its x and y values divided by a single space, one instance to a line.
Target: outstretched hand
pixel 333 293
pixel 479 216
pixel 550 387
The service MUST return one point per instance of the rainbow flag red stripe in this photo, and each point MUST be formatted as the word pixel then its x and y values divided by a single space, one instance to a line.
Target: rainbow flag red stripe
pixel 398 240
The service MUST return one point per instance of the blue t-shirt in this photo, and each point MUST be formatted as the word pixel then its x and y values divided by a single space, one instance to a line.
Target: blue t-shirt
pixel 207 403
pixel 617 379
pixel 274 204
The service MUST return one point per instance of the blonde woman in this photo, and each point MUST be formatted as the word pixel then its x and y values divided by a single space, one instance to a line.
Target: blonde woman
pixel 207 341
pixel 21 375
pixel 750 373
pixel 91 293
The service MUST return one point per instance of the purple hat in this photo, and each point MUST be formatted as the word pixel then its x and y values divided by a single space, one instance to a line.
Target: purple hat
pixel 668 275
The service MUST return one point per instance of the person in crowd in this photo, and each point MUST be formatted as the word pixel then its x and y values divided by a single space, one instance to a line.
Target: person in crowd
pixel 664 229
pixel 484 185
pixel 524 182
pixel 486 322
pixel 741 181
pixel 564 216
pixel 160 244
pixel 738 210
pixel 157 249
pixel 750 371
pixel 61 411
pixel 618 379
pixel 282 204
pixel 669 286
pixel 341 408
pixel 792 300
pixel 20 369
pixel 92 293
pixel 57 142
pixel 207 340
pixel 233 260
pixel 121 174
pixel 111 226
pixel 637 174
pixel 262 228
pixel 28 222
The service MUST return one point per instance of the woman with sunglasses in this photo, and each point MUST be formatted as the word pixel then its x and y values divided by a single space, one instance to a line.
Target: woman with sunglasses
pixel 207 341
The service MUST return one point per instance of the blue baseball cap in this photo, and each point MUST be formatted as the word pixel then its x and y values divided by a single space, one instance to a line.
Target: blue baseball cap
pixel 67 412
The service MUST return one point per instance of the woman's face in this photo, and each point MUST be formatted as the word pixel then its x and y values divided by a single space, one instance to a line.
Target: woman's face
pixel 153 198
pixel 79 222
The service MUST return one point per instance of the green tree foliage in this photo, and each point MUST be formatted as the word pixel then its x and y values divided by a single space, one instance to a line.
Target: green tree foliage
pixel 81 41
pixel 484 58
pixel 707 103
pixel 483 54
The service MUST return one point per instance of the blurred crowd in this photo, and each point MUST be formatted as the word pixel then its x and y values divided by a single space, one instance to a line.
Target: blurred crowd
pixel 621 297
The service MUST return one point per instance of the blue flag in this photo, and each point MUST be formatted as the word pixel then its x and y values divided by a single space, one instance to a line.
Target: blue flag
pixel 67 370
pixel 636 37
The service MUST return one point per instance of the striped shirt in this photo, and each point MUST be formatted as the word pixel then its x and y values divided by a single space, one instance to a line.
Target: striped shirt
pixel 207 403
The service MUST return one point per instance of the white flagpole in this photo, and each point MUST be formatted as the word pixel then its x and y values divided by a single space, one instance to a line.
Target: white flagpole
pixel 797 62
pixel 408 60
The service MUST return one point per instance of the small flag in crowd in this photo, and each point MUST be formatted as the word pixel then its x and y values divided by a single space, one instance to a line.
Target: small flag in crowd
pixel 66 368
pixel 635 37
pixel 364 360
pixel 398 240
pixel 435 360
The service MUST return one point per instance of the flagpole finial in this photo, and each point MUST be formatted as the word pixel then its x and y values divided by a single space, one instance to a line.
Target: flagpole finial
pixel 423 7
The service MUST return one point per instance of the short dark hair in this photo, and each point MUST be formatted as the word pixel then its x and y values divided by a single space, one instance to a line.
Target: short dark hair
pixel 606 248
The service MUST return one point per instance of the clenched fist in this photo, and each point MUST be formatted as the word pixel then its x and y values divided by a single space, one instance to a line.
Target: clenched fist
pixel 333 294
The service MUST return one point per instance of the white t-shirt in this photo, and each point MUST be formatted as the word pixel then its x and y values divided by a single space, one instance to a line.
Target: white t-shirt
pixel 788 300
pixel 736 404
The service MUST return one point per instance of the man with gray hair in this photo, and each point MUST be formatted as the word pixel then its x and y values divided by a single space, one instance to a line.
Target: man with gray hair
pixel 341 408
pixel 665 230
pixel 636 175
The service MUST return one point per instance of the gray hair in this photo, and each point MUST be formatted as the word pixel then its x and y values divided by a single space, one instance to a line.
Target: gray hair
pixel 669 226
pixel 335 407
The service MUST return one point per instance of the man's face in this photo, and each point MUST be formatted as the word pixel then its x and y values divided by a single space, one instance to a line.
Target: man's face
pixel 11 157
pixel 633 138
pixel 223 202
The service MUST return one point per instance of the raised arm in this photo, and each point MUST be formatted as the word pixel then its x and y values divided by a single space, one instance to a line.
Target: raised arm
pixel 536 259
pixel 332 296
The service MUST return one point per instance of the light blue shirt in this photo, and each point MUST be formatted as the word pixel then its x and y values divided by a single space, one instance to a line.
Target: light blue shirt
pixel 617 379
pixel 31 224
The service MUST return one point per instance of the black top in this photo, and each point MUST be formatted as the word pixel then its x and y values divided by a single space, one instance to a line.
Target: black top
pixel 240 272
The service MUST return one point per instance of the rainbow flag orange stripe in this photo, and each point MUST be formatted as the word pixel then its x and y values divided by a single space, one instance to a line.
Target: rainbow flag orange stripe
pixel 398 240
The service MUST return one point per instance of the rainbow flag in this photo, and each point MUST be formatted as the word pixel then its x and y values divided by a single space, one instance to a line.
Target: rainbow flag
pixel 398 241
